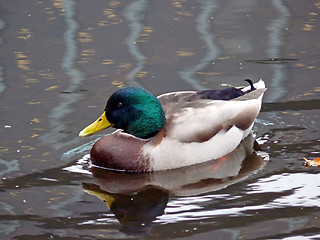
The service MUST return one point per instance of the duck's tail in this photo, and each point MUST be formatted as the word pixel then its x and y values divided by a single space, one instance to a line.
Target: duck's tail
pixel 257 93
pixel 253 86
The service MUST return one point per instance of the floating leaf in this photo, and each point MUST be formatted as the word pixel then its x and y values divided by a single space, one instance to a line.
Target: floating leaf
pixel 35 120
pixel 184 13
pixel 52 87
pixel 32 103
pixel 184 53
pixel 315 162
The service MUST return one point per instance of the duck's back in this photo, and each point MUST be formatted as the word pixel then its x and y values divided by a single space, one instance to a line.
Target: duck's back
pixel 199 129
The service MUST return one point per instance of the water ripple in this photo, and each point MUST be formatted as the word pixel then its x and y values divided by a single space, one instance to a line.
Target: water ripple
pixel 203 20
pixel 283 190
pixel 277 32
pixel 301 185
pixel 2 85
pixel 59 113
pixel 134 12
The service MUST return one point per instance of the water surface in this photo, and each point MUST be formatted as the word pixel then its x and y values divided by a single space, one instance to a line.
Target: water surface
pixel 60 60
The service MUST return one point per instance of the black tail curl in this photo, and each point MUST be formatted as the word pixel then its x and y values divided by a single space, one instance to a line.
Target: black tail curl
pixel 251 84
pixel 226 93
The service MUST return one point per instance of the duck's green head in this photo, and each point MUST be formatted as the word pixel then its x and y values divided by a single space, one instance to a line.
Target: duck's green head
pixel 133 109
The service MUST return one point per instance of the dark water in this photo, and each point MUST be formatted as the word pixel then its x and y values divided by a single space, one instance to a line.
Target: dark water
pixel 59 62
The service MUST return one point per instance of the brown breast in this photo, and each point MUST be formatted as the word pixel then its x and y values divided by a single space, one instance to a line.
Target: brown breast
pixel 120 151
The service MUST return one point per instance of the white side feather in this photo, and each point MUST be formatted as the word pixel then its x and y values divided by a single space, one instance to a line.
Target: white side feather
pixel 175 150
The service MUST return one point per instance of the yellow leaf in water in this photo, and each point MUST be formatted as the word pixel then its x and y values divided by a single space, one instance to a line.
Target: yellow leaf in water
pixel 184 53
pixel 315 162
pixel 35 120
pixel 308 27
pixel 4 149
pixel 223 58
pixel 117 83
pixel 184 13
pixel 209 73
pixel 107 61
pixel 142 74
pixel 51 88
pixel 31 103
pixel 147 29
pixel 125 65
pixel 31 80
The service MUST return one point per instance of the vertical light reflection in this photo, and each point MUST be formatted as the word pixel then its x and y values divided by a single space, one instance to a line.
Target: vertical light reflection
pixel 68 62
pixel 9 226
pixel 58 114
pixel 203 23
pixel 2 85
pixel 277 29
pixel 134 12
pixel 7 166
pixel 54 136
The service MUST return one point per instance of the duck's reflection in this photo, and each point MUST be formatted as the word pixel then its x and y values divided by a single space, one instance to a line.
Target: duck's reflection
pixel 138 199
pixel 135 212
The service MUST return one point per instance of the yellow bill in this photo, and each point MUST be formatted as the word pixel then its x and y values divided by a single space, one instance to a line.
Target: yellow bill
pixel 100 124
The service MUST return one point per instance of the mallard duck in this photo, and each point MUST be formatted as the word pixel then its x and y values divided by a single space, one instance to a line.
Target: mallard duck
pixel 193 180
pixel 173 130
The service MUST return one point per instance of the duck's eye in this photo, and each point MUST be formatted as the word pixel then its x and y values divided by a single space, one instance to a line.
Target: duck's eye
pixel 119 105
